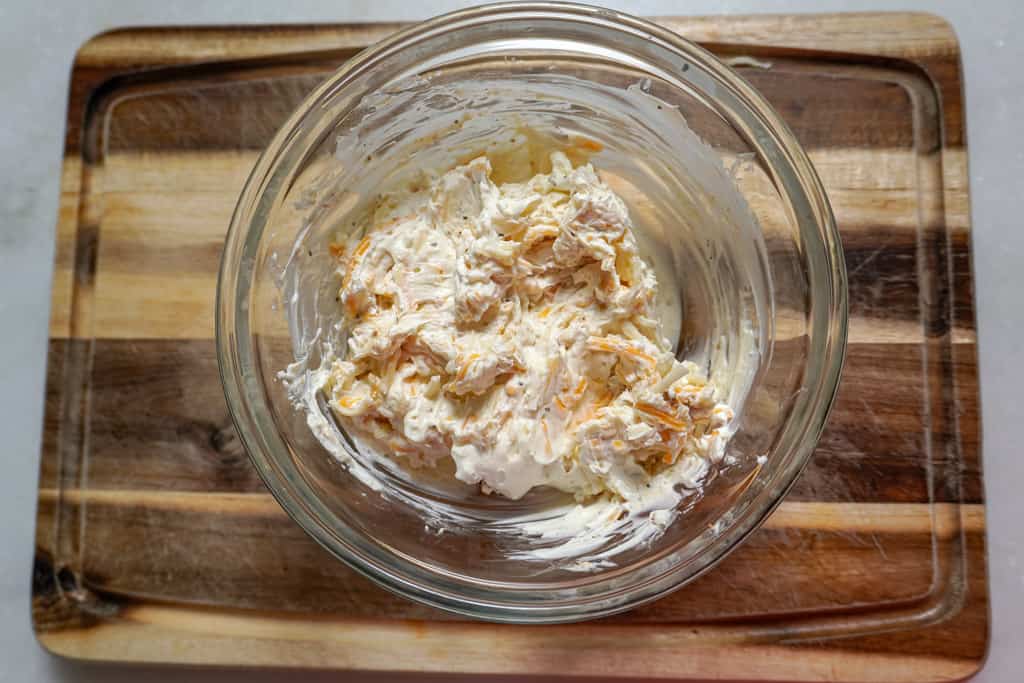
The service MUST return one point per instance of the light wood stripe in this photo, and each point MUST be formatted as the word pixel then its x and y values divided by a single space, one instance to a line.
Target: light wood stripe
pixel 142 215
pixel 896 518
pixel 877 34
pixel 195 44
pixel 141 306
pixel 183 635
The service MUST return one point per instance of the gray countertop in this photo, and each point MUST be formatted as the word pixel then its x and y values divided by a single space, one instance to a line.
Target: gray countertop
pixel 36 49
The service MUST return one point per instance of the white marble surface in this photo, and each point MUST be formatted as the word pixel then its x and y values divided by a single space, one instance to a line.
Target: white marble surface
pixel 37 42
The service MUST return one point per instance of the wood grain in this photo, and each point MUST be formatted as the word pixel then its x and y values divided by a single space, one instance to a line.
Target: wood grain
pixel 156 541
pixel 243 549
pixel 173 430
pixel 167 213
pixel 198 636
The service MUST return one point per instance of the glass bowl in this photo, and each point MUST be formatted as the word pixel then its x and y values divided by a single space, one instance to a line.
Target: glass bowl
pixel 728 209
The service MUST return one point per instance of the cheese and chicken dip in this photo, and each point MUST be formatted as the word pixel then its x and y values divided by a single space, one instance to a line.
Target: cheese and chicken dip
pixel 510 328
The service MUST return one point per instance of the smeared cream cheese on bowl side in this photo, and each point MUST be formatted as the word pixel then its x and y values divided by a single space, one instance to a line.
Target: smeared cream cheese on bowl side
pixel 498 322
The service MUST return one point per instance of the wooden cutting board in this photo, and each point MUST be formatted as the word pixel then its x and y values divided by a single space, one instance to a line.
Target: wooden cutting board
pixel 156 541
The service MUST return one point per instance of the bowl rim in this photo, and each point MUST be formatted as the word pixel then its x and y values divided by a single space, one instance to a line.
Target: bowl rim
pixel 238 358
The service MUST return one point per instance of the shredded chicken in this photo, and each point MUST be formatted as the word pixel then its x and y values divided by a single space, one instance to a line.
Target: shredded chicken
pixel 511 328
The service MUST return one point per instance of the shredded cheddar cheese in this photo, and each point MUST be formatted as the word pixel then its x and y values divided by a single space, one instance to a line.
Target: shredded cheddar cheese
pixel 511 328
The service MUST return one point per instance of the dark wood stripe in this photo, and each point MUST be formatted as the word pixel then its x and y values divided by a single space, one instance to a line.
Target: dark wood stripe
pixel 961 622
pixel 859 113
pixel 259 559
pixel 55 356
pixel 159 422
pixel 240 107
pixel 942 69
pixel 962 284
pixel 93 92
pixel 826 571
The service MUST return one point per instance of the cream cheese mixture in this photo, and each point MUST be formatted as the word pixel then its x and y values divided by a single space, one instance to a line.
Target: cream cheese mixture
pixel 511 328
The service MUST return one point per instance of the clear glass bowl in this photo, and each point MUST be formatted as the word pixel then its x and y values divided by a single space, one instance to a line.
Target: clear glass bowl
pixel 729 209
